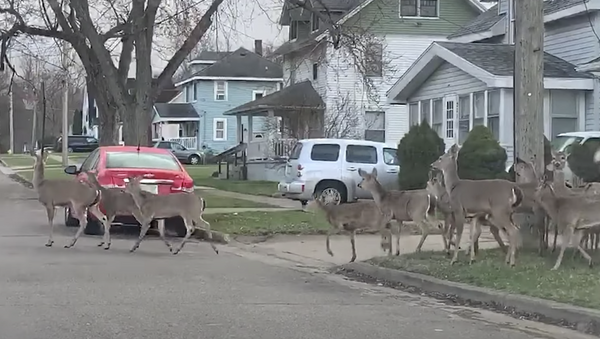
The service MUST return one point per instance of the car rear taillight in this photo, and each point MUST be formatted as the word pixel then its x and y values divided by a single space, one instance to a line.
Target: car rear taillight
pixel 186 186
pixel 299 168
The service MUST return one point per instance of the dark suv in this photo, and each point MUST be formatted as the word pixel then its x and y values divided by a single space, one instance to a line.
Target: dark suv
pixel 77 143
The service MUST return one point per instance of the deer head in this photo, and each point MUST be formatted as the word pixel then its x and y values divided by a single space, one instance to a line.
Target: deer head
pixel 526 170
pixel 558 162
pixel 369 180
pixel 447 160
pixel 133 185
pixel 435 184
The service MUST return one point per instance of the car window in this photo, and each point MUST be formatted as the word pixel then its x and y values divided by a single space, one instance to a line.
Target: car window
pixel 92 140
pixel 141 160
pixel 325 152
pixel 592 143
pixel 295 153
pixel 390 157
pixel 165 145
pixel 361 154
pixel 90 161
pixel 177 147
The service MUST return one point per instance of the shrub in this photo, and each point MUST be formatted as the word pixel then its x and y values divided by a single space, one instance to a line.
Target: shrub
pixel 417 150
pixel 481 156
pixel 547 158
pixel 581 162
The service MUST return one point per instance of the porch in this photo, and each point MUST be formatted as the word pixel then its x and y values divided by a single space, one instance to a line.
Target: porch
pixel 295 112
pixel 177 122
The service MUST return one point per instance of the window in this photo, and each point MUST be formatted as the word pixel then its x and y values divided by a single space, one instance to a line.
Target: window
pixel 177 147
pixel 295 153
pixel 450 109
pixel 219 129
pixel 164 144
pixel 294 30
pixel 426 111
pixel 142 160
pixel 419 8
pixel 90 161
pixel 478 108
pixel 390 156
pixel 195 93
pixel 564 111
pixel 375 126
pixel 315 71
pixel 438 116
pixel 413 114
pixel 493 120
pixel 279 86
pixel 257 95
pixel 374 60
pixel 358 154
pixel 220 90
pixel 314 19
pixel 464 112
pixel 325 152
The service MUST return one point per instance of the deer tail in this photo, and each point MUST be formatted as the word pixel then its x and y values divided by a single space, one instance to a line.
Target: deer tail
pixel 517 196
pixel 431 204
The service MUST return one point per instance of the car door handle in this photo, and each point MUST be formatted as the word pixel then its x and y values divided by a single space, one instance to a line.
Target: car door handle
pixel 392 171
pixel 351 169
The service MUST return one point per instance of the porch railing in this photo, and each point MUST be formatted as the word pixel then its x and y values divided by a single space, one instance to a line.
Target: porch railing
pixel 264 149
pixel 188 142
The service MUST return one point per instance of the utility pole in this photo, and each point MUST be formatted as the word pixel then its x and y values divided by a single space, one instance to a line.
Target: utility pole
pixel 529 87
pixel 11 114
pixel 65 105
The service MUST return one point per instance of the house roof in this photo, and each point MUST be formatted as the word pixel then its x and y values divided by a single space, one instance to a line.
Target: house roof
pixel 176 110
pixel 485 21
pixel 211 55
pixel 240 64
pixel 301 95
pixel 490 63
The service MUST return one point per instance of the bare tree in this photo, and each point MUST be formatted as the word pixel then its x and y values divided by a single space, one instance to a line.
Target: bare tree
pixel 88 29
pixel 345 119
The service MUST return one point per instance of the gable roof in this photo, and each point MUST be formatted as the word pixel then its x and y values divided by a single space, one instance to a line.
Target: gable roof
pixel 176 111
pixel 301 95
pixel 487 20
pixel 242 64
pixel 211 55
pixel 490 63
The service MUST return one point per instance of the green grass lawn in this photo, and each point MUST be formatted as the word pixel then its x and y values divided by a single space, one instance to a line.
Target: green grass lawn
pixel 22 160
pixel 573 283
pixel 268 223
pixel 49 173
pixel 202 177
pixel 218 201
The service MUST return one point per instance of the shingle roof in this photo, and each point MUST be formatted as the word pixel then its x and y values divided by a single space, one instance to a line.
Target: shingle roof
pixel 498 59
pixel 489 18
pixel 243 64
pixel 301 95
pixel 176 110
pixel 211 55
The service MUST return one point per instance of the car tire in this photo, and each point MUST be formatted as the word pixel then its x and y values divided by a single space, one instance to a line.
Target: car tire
pixel 331 192
pixel 93 227
pixel 70 150
pixel 194 159
pixel 177 226
pixel 69 220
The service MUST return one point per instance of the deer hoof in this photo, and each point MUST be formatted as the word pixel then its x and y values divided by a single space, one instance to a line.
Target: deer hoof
pixel 49 244
pixel 330 253
pixel 100 244
pixel 591 264
pixel 352 260
pixel 107 247
pixel 175 252
pixel 397 253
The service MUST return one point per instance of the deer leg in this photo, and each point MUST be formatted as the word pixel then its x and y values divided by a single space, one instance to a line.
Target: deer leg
pixel 566 240
pixel 496 234
pixel 189 226
pixel 578 235
pixel 106 238
pixel 81 215
pixel 329 232
pixel 208 232
pixel 143 230
pixel 555 236
pixel 353 243
pixel 161 232
pixel 460 225
pixel 596 239
pixel 475 233
pixel 50 210
pixel 397 231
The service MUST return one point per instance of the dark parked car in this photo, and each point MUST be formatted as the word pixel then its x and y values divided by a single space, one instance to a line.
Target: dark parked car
pixel 77 143
pixel 185 155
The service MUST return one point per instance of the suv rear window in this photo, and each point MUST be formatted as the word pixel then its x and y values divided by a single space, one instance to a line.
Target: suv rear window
pixel 325 152
pixel 295 153
pixel 141 160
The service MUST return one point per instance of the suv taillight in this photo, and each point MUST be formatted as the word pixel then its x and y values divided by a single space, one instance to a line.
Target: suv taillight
pixel 300 168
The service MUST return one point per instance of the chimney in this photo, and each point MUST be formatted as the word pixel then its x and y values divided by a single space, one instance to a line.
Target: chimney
pixel 258 47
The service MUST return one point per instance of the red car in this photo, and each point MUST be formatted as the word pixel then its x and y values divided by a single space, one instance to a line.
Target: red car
pixel 163 174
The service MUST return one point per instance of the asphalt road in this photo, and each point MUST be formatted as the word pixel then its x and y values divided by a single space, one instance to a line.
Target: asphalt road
pixel 86 292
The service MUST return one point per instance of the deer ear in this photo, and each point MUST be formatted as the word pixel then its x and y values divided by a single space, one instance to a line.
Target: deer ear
pixel 361 172
pixel 374 172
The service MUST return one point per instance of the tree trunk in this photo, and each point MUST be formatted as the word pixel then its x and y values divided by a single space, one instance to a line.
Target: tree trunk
pixel 108 126
pixel 136 125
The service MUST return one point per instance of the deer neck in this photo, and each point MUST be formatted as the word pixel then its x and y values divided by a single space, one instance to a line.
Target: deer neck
pixel 38 173
pixel 451 178
pixel 378 193
pixel 138 198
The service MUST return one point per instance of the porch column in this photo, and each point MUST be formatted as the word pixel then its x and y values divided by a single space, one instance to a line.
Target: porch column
pixel 240 129
pixel 250 126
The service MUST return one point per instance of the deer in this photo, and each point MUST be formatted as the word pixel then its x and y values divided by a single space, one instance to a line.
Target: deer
pixel 186 205
pixel 435 187
pixel 494 198
pixel 349 218
pixel 77 195
pixel 417 206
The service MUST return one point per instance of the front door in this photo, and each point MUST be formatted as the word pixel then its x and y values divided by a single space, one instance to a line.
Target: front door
pixel 449 130
pixel 363 157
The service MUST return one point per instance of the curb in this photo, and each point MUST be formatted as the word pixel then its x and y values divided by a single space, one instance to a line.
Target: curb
pixel 582 319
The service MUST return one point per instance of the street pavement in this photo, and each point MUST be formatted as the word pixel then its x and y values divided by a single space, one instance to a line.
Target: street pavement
pixel 86 292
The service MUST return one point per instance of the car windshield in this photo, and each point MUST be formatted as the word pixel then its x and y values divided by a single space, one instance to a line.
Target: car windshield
pixel 141 160
pixel 563 143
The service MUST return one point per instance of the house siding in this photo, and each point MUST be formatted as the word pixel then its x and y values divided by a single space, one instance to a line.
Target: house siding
pixel 590 117
pixel 238 93
pixel 572 39
pixel 447 79
pixel 502 6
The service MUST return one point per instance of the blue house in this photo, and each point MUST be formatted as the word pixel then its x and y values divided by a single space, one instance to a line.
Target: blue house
pixel 225 80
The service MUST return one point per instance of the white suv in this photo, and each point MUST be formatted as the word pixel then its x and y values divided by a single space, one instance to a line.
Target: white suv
pixel 564 141
pixel 328 168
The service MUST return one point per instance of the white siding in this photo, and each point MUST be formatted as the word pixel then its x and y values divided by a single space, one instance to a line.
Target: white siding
pixel 590 118
pixel 572 39
pixel 302 63
pixel 447 79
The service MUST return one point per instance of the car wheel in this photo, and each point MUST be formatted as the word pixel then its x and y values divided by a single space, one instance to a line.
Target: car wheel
pixel 177 226
pixel 70 150
pixel 69 220
pixel 93 227
pixel 331 193
pixel 194 159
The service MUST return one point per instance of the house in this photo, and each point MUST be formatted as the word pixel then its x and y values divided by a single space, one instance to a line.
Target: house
pixel 177 122
pixel 390 35
pixel 222 81
pixel 467 81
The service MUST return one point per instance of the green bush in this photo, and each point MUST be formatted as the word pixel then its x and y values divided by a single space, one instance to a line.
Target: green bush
pixel 581 162
pixel 417 150
pixel 481 156
pixel 547 158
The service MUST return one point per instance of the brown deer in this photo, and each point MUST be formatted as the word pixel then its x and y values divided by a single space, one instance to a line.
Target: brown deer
pixel 350 218
pixel 475 198
pixel 417 206
pixel 52 193
pixel 186 205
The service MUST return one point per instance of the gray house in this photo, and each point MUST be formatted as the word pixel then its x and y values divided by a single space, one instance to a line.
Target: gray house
pixel 467 81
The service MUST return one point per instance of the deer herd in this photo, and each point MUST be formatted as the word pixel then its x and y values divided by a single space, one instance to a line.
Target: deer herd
pixel 552 205
pixel 447 203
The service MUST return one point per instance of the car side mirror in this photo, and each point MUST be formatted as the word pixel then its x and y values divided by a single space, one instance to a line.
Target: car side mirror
pixel 72 169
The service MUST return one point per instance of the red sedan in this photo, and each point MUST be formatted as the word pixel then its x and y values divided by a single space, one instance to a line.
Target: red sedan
pixel 163 174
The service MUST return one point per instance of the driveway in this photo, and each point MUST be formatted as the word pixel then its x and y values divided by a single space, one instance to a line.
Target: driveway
pixel 86 292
